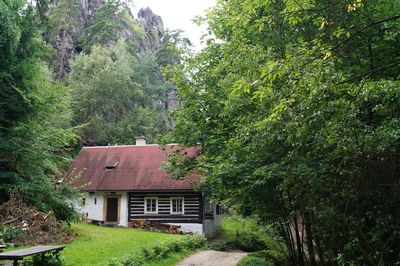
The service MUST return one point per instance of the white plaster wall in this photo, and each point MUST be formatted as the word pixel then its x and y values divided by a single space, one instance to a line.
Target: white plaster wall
pixel 94 211
pixel 123 218
pixel 190 227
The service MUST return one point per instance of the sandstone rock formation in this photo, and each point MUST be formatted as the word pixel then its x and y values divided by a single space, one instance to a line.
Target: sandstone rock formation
pixel 67 40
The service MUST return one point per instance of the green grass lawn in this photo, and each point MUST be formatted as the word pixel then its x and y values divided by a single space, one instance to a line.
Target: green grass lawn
pixel 96 245
pixel 230 225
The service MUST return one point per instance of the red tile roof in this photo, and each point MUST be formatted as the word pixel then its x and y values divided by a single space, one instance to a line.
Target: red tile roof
pixel 136 168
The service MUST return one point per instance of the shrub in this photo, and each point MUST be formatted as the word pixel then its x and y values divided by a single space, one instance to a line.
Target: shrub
pixel 195 241
pixel 47 259
pixel 114 262
pixel 175 246
pixel 251 260
pixel 132 260
pixel 160 250
pixel 146 254
pixel 9 233
pixel 263 258
pixel 221 245
pixel 250 240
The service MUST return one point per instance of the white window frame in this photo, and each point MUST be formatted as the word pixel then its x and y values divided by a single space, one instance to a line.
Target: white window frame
pixel 145 205
pixel 183 205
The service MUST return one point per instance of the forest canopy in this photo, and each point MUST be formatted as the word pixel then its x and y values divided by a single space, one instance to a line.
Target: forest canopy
pixel 297 107
pixel 295 103
pixel 74 75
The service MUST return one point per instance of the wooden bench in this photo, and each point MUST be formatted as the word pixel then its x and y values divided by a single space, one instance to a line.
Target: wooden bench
pixel 19 254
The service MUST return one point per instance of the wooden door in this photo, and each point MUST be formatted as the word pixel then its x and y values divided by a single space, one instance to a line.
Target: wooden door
pixel 112 210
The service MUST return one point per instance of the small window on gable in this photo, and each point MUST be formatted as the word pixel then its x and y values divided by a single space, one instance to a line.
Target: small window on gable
pixel 151 205
pixel 177 205
pixel 112 165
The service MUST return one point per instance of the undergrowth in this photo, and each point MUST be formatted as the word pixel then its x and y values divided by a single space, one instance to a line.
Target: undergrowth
pixel 160 251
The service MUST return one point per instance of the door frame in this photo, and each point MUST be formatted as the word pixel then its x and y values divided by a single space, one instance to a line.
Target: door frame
pixel 105 206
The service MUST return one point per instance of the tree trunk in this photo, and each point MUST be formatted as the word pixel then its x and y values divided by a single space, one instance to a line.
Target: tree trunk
pixel 298 242
pixel 309 237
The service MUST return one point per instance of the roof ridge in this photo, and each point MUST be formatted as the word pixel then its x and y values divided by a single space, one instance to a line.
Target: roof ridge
pixel 120 146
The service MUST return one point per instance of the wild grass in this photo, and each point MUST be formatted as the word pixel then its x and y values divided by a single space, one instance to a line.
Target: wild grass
pixel 96 245
pixel 230 226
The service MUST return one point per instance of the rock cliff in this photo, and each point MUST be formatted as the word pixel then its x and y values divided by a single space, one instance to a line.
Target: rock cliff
pixel 75 22
pixel 67 40
pixel 154 30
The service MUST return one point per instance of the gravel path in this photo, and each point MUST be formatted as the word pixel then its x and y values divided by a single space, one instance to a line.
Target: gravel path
pixel 213 258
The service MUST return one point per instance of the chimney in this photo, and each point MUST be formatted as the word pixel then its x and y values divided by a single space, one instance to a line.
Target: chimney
pixel 140 141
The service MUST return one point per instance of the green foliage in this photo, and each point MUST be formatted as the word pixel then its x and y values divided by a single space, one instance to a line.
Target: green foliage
pixel 252 237
pixel 109 104
pixel 249 241
pixel 262 258
pixel 108 24
pixel 253 260
pixel 148 74
pixel 172 48
pixel 47 259
pixel 97 244
pixel 221 245
pixel 179 165
pixel 161 250
pixel 296 108
pixel 9 233
pixel 35 112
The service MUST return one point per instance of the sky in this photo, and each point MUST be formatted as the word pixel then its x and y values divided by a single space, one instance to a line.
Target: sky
pixel 178 14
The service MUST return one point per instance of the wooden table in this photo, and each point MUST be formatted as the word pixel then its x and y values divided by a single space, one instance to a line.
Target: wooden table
pixel 19 254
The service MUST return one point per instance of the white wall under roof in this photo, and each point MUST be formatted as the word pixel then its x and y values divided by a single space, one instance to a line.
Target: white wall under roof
pixel 94 206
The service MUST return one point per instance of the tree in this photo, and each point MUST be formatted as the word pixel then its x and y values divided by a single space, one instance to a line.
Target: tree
pixel 35 132
pixel 111 22
pixel 297 111
pixel 111 105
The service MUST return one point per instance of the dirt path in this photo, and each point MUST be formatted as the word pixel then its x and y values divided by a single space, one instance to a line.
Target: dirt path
pixel 213 258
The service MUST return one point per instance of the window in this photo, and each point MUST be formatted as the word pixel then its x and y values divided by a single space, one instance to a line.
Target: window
pixel 95 201
pixel 177 205
pixel 111 165
pixel 151 205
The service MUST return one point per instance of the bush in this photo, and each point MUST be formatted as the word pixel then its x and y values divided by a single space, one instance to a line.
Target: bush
pixel 263 258
pixel 175 246
pixel 146 254
pixel 114 262
pixel 250 240
pixel 222 245
pixel 160 250
pixel 251 260
pixel 194 241
pixel 9 233
pixel 132 260
pixel 48 259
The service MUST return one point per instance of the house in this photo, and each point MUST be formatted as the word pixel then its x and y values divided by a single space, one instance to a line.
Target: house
pixel 122 184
